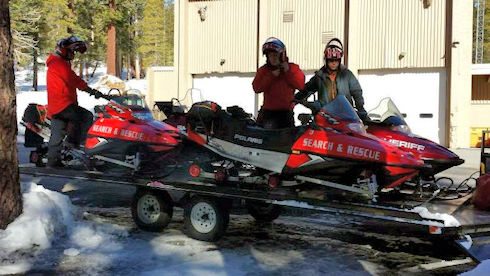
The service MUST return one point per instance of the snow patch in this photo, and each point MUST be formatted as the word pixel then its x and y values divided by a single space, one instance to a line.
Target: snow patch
pixel 71 252
pixel 294 203
pixel 468 243
pixel 449 221
pixel 46 215
pixel 49 217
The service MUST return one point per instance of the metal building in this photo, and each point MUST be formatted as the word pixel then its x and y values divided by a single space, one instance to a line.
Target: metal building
pixel 418 52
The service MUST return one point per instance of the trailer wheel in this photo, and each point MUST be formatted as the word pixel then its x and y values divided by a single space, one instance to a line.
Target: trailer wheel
pixel 151 211
pixel 263 212
pixel 205 219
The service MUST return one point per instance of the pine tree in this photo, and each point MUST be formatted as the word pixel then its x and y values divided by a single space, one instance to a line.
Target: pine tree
pixel 486 39
pixel 152 44
pixel 169 33
pixel 129 28
pixel 90 25
pixel 25 21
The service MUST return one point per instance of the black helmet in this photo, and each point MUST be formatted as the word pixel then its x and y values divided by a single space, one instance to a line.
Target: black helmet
pixel 71 44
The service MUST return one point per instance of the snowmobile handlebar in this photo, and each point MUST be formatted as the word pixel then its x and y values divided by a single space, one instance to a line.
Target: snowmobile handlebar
pixel 313 106
pixel 97 94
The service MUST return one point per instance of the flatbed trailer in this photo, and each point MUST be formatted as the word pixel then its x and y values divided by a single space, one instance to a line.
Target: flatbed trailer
pixel 207 207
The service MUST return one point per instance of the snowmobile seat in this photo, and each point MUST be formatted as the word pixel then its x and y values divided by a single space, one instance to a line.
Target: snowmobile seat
pixel 35 113
pixel 202 114
pixel 246 133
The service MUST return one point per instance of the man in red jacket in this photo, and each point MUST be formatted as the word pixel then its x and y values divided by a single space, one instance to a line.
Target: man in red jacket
pixel 67 118
pixel 277 79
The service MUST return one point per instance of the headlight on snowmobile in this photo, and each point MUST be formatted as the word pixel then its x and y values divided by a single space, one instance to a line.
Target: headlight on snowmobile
pixel 357 127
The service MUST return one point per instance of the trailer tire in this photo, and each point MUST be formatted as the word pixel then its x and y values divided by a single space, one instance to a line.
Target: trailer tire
pixel 263 212
pixel 205 219
pixel 152 211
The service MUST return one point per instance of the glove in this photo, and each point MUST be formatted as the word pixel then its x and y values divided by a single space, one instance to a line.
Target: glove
pixel 364 117
pixel 94 92
pixel 98 94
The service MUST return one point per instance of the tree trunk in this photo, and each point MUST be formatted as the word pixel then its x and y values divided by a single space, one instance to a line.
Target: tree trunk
pixel 95 69
pixel 10 196
pixel 128 68
pixel 70 15
pixel 34 70
pixel 81 69
pixel 137 67
pixel 85 70
pixel 112 61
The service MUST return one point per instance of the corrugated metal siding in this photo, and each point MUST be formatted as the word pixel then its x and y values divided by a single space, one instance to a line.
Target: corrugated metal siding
pixel 389 28
pixel 226 40
pixel 480 90
pixel 303 36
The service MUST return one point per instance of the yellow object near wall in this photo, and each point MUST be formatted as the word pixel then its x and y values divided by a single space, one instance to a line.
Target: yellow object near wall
pixel 475 136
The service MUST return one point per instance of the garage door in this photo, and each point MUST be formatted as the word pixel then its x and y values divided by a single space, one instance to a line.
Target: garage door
pixel 418 93
pixel 226 90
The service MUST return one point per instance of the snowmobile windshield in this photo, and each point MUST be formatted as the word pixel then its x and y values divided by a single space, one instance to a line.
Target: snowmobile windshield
pixel 342 109
pixel 137 104
pixel 387 112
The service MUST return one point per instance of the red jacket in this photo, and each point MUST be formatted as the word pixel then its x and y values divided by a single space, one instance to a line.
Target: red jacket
pixel 278 91
pixel 62 84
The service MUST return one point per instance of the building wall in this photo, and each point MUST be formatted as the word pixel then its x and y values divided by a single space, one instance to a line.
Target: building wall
pixel 383 34
pixel 396 34
pixel 163 84
pixel 460 79
pixel 225 39
pixel 304 26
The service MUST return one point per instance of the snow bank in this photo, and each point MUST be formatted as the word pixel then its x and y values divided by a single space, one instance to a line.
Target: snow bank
pixel 49 217
pixel 483 269
pixel 46 214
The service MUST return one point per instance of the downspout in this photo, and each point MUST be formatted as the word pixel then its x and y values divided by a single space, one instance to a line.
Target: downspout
pixel 448 60
pixel 346 31
pixel 256 96
pixel 178 47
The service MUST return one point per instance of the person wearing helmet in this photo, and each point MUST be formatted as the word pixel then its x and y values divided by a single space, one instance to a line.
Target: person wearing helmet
pixel 277 79
pixel 67 118
pixel 334 79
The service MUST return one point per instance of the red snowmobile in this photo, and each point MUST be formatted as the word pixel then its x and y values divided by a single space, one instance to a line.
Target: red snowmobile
pixel 124 135
pixel 388 124
pixel 332 149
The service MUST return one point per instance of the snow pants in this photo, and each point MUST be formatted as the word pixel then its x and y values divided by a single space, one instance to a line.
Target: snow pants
pixel 72 122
